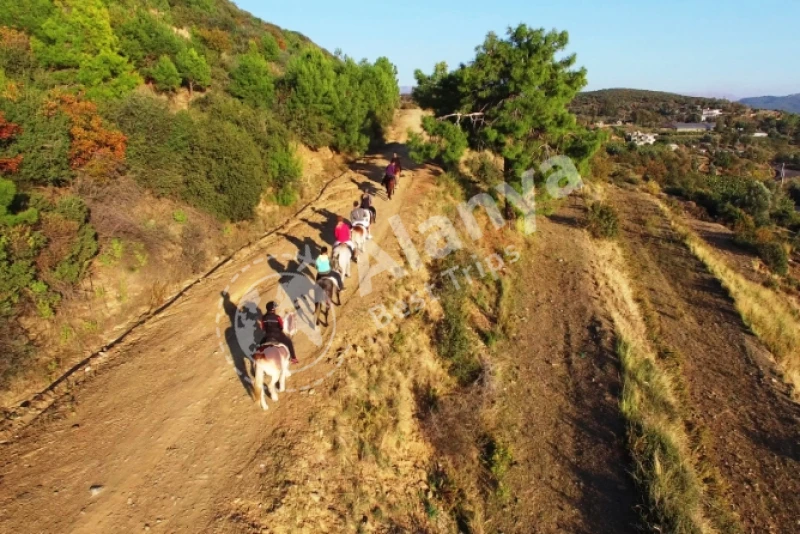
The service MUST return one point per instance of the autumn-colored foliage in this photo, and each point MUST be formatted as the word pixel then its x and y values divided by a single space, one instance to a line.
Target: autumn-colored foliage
pixel 11 38
pixel 9 130
pixel 215 39
pixel 94 148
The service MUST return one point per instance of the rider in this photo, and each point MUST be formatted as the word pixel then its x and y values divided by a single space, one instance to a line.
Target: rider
pixel 361 216
pixel 366 203
pixel 391 172
pixel 397 165
pixel 324 268
pixel 272 325
pixel 342 232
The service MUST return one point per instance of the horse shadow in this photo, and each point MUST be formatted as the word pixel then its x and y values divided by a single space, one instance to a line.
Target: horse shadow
pixel 307 251
pixel 326 227
pixel 240 358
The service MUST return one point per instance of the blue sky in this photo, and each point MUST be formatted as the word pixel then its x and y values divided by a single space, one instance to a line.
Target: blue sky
pixel 734 48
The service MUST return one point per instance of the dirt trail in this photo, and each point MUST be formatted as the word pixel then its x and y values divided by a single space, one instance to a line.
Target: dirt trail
pixel 166 427
pixel 562 397
pixel 748 427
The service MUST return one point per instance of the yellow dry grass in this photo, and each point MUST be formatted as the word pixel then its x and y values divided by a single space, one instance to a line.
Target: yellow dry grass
pixel 772 318
pixel 664 464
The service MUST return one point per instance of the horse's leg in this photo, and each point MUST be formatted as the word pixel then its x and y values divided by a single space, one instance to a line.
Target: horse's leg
pixel 316 313
pixel 259 387
pixel 284 371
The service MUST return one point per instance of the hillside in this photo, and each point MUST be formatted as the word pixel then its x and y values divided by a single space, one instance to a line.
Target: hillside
pixel 789 103
pixel 141 141
pixel 642 106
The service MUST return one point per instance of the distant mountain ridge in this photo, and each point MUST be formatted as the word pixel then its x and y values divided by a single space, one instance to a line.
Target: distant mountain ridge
pixel 789 103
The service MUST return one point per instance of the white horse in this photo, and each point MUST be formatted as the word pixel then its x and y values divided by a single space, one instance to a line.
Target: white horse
pixel 342 255
pixel 358 236
pixel 273 360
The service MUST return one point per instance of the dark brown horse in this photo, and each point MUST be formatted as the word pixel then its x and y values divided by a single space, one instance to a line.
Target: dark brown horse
pixel 390 182
pixel 329 289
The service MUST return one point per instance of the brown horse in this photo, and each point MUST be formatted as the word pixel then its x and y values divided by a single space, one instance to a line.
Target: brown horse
pixel 390 182
pixel 330 288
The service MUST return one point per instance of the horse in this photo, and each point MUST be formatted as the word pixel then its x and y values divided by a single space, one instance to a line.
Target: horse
pixel 272 359
pixel 330 288
pixel 358 235
pixel 342 255
pixel 390 182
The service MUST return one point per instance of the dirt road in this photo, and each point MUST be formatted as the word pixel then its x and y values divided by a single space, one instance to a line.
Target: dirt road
pixel 165 430
pixel 739 411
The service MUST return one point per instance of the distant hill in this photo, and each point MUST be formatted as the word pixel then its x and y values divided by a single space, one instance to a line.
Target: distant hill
pixel 789 103
pixel 643 106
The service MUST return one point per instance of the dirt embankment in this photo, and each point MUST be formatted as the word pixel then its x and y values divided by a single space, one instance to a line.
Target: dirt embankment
pixel 737 410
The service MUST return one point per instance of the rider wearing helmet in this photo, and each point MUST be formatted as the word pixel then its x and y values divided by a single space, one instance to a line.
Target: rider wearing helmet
pixel 366 203
pixel 361 216
pixel 324 270
pixel 272 325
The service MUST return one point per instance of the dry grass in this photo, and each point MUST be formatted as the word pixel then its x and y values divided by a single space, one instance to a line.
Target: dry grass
pixel 664 465
pixel 774 320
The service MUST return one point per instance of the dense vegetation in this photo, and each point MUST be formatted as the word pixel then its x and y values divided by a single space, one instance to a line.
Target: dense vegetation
pixel 193 100
pixel 644 108
pixel 511 100
pixel 761 211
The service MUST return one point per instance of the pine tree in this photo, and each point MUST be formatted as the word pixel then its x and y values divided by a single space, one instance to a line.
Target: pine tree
pixel 251 80
pixel 193 69
pixel 165 75
pixel 75 32
pixel 512 98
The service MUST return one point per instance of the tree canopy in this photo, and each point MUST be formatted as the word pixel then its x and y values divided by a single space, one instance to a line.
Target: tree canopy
pixel 512 97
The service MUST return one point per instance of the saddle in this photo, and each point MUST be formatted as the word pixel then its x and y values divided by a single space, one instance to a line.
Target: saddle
pixel 265 345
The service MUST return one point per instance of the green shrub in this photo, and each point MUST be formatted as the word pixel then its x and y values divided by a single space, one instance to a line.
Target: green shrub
pixel 158 142
pixel 179 216
pixel 251 81
pixel 224 174
pixel 165 75
pixel 445 142
pixel 774 256
pixel 603 221
pixel 144 39
pixel 39 129
pixel 269 47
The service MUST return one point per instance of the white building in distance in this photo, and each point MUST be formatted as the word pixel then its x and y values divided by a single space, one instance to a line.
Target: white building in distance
pixel 709 113
pixel 640 138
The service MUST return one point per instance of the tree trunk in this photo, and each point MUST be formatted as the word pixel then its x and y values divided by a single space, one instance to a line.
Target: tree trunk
pixel 508 176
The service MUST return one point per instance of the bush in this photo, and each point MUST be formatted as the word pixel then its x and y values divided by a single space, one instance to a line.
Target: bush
pixel 446 142
pixel 224 174
pixel 158 142
pixel 39 129
pixel 603 221
pixel 251 81
pixel 774 256
pixel 165 75
pixel 144 39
